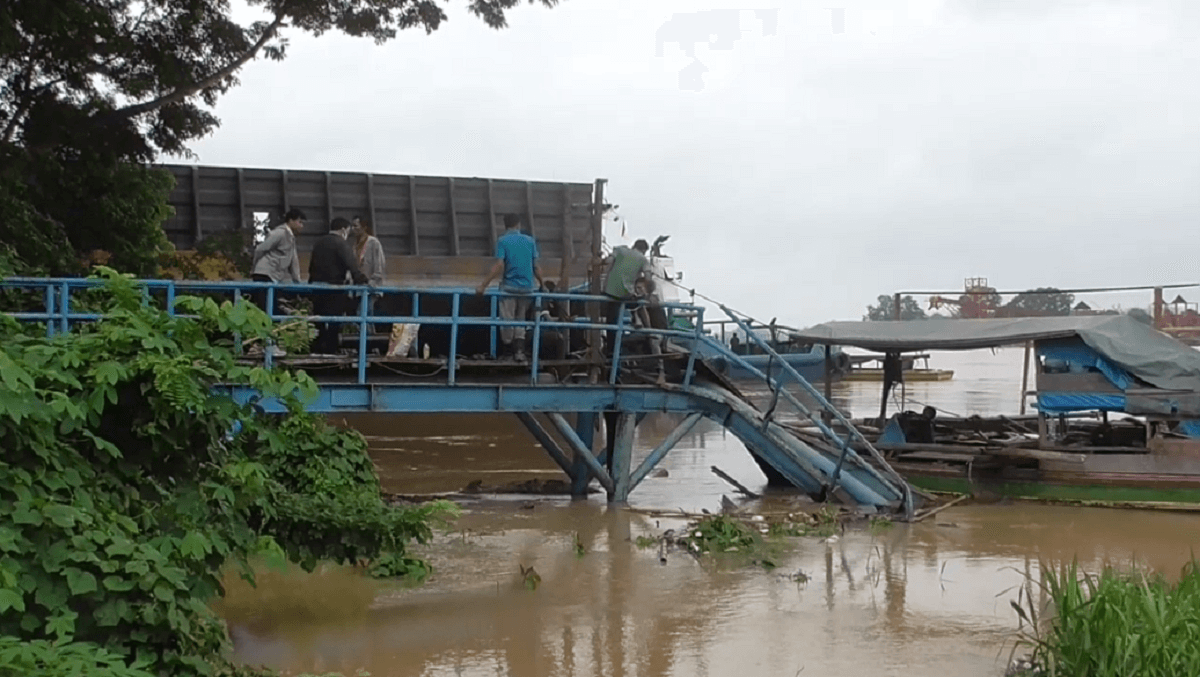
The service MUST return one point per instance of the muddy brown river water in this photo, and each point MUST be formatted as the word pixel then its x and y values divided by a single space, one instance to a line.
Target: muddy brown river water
pixel 929 598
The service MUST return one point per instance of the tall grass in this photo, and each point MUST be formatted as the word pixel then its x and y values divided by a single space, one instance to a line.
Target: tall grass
pixel 1115 624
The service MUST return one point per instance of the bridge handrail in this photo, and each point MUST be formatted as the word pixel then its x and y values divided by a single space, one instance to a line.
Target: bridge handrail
pixel 58 315
pixel 778 386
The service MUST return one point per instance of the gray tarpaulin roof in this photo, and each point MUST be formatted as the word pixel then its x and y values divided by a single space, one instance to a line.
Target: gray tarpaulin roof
pixel 1148 354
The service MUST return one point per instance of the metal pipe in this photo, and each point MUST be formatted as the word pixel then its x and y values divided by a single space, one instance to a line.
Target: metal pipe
pixel 1025 376
pixel 363 309
pixel 697 332
pixel 453 337
pixel 536 342
pixel 616 355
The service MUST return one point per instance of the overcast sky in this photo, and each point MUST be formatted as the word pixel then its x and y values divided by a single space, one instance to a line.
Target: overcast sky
pixel 827 157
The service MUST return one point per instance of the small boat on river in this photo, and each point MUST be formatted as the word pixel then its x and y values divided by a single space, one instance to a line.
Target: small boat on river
pixel 1116 411
pixel 912 373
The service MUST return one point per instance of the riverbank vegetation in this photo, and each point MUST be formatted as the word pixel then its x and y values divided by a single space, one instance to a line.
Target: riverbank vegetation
pixel 1112 624
pixel 128 486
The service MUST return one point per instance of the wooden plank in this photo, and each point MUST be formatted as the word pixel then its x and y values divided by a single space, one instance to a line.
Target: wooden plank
pixel 491 206
pixel 241 197
pixel 371 201
pixel 328 199
pixel 597 223
pixel 415 242
pixel 197 229
pixel 529 208
pixel 567 254
pixel 283 185
pixel 1025 376
pixel 453 220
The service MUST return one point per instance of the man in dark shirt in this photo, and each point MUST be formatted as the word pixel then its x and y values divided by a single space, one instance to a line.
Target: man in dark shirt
pixel 332 258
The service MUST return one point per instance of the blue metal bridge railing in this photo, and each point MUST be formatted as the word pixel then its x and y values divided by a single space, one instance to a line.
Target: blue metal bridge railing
pixel 458 311
pixel 60 295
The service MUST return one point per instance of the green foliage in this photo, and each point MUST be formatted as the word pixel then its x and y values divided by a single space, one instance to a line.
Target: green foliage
pixel 722 533
pixel 1115 623
pixel 1141 316
pixel 881 525
pixel 45 658
pixel 1040 302
pixel 59 213
pixel 885 310
pixel 821 524
pixel 30 241
pixel 530 579
pixel 92 91
pixel 125 492
pixel 132 79
pixel 646 542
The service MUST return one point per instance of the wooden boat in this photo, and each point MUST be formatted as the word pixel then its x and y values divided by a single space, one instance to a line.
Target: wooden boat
pixel 872 374
pixel 1086 370
pixel 912 373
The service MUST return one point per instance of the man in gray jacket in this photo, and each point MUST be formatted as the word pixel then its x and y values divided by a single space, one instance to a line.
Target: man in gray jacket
pixel 276 260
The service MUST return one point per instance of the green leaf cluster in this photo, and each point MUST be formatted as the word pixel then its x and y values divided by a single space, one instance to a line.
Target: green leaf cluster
pixel 128 484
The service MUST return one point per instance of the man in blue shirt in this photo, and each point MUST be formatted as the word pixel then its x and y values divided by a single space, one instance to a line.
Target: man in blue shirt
pixel 516 260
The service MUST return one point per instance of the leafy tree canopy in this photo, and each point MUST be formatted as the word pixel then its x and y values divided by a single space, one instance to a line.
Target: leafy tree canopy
pixel 92 91
pixel 1040 302
pixel 885 309
pixel 132 78
pixel 1140 315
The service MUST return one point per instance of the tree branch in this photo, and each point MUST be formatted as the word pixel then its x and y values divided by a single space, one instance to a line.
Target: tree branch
pixel 186 91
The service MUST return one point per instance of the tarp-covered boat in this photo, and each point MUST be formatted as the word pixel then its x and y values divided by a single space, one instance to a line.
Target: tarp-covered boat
pixel 1086 369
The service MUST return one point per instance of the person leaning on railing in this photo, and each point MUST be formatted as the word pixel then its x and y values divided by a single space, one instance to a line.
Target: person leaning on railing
pixel 516 260
pixel 332 258
pixel 276 260
pixel 369 252
pixel 627 266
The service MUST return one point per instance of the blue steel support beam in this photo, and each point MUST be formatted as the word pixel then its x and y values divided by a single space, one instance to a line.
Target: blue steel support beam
pixel 543 437
pixel 585 428
pixel 622 457
pixel 660 452
pixel 478 398
pixel 363 305
pixel 49 300
pixel 582 452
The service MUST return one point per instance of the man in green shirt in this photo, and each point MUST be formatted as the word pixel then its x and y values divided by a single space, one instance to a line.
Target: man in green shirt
pixel 629 265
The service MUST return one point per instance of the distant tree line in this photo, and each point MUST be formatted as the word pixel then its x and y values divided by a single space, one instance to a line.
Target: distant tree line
pixel 1040 302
